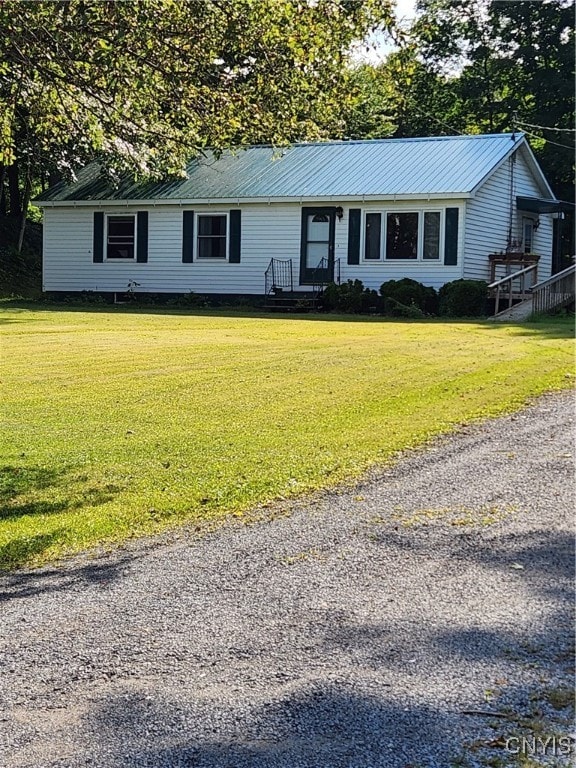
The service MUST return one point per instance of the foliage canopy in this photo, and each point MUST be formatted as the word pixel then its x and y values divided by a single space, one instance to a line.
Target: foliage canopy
pixel 148 84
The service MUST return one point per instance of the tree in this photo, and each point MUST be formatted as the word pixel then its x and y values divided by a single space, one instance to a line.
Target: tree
pixel 511 65
pixel 370 112
pixel 145 85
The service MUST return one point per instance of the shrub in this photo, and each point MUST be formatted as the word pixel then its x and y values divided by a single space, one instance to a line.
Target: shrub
pixel 463 298
pixel 394 308
pixel 410 293
pixel 188 300
pixel 349 297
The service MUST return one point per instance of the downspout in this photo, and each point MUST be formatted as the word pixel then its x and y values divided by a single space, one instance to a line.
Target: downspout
pixel 511 207
pixel 557 260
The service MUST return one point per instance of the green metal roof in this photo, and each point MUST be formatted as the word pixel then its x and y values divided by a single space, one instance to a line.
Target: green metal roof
pixel 442 166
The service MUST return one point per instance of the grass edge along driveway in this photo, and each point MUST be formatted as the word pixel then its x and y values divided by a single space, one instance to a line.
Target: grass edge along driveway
pixel 123 423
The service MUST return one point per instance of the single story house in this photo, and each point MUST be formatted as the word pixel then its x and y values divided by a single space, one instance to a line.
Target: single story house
pixel 433 209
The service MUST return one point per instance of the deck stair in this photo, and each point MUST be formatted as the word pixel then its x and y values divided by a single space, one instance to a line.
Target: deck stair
pixel 291 302
pixel 523 302
pixel 555 292
pixel 514 314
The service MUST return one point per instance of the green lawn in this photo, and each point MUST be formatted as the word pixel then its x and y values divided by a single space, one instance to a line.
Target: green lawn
pixel 120 423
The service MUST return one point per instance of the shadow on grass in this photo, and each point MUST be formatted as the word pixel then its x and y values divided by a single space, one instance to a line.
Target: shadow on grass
pixel 549 327
pixel 36 492
pixel 20 550
pixel 17 482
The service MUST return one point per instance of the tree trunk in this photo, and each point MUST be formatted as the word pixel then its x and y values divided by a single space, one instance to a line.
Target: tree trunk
pixel 53 178
pixel 2 190
pixel 24 212
pixel 15 205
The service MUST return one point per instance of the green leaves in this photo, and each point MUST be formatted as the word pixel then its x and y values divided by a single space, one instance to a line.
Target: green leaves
pixel 509 64
pixel 148 84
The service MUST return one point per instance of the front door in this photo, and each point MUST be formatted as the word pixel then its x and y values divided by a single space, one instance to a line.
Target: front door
pixel 317 246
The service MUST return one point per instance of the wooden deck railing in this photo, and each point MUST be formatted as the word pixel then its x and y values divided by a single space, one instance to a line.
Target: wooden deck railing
pixel 513 286
pixel 557 291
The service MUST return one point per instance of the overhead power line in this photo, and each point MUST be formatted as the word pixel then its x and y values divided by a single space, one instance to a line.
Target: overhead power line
pixel 555 143
pixel 546 127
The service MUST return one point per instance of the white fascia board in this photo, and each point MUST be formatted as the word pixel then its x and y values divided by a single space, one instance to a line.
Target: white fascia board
pixel 523 146
pixel 537 171
pixel 301 200
pixel 514 145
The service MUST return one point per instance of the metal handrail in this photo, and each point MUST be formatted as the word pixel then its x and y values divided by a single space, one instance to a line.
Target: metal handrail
pixel 318 276
pixel 278 275
pixel 337 271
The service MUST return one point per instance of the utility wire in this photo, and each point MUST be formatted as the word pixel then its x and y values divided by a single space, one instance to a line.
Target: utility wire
pixel 440 122
pixel 546 127
pixel 421 113
pixel 535 135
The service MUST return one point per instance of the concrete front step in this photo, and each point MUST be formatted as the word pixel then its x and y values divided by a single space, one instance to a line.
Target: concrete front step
pixel 518 312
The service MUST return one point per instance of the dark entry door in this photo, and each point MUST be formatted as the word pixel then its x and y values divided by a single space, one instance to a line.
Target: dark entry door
pixel 317 245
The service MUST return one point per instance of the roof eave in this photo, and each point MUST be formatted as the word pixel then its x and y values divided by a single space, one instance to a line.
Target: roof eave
pixel 521 143
pixel 301 199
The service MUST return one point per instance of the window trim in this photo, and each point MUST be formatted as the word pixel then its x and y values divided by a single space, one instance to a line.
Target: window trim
pixel 531 220
pixel 211 259
pixel 420 247
pixel 441 238
pixel 116 215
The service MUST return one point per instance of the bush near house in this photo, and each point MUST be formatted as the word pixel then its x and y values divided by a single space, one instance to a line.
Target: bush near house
pixel 350 297
pixel 393 308
pixel 411 293
pixel 463 298
pixel 408 298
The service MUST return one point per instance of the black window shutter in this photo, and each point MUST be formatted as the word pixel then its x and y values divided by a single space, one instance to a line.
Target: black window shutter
pixel 188 237
pixel 142 237
pixel 451 238
pixel 98 242
pixel 235 236
pixel 354 217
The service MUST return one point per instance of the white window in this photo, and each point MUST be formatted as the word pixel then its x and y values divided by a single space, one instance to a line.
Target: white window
pixel 431 234
pixel 527 235
pixel 120 237
pixel 212 237
pixel 403 235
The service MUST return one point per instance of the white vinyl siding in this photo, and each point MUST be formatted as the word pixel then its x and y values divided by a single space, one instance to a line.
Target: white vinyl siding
pixel 267 231
pixel 488 218
pixel 274 231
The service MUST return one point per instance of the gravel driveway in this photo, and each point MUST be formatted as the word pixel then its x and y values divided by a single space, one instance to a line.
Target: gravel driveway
pixel 422 618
